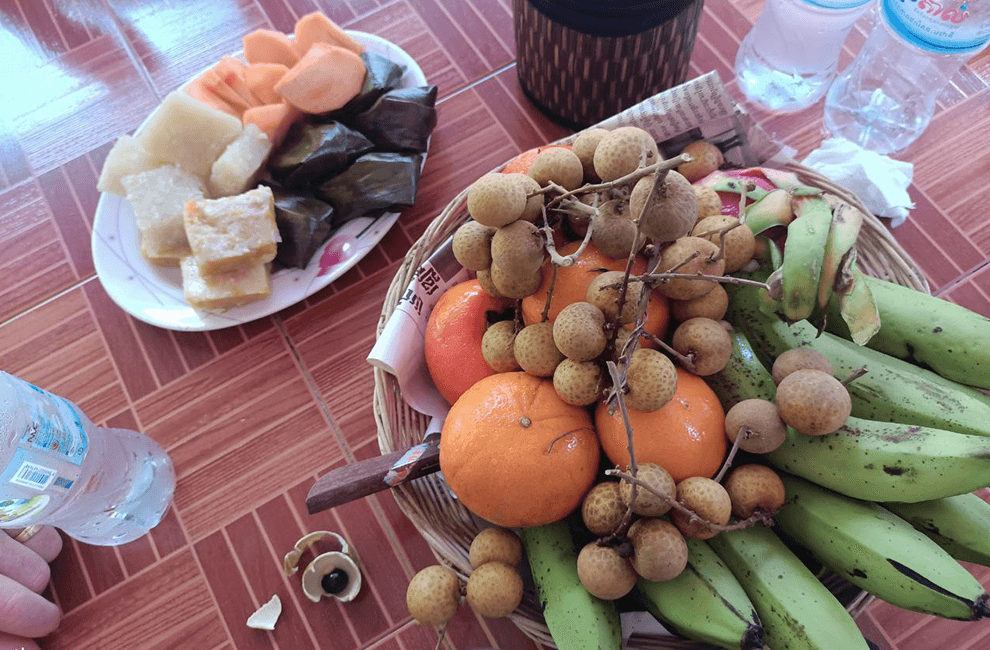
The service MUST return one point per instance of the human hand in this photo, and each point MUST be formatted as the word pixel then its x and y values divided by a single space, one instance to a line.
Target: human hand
pixel 24 574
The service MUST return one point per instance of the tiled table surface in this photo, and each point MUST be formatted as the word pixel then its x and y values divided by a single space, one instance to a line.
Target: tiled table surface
pixel 253 414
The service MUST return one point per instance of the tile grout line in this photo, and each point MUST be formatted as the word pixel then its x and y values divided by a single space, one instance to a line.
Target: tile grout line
pixel 132 54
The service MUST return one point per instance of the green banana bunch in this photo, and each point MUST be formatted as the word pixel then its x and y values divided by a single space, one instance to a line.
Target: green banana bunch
pixel 797 611
pixel 704 603
pixel 959 524
pixel 879 552
pixel 892 390
pixel 576 619
pixel 931 332
pixel 865 459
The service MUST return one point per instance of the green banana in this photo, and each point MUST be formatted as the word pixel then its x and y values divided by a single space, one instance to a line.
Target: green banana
pixel 864 459
pixel 858 309
pixel 704 603
pixel 958 524
pixel 879 552
pixel 804 255
pixel 892 390
pixel 774 209
pixel 934 333
pixel 797 611
pixel 842 234
pixel 576 619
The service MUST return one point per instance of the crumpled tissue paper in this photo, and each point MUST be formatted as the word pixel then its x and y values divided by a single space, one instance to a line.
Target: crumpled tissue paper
pixel 880 181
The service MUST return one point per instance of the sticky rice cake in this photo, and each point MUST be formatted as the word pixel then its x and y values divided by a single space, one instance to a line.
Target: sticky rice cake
pixel 224 290
pixel 158 197
pixel 232 232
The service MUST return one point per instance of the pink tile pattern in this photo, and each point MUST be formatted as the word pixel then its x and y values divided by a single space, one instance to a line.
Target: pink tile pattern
pixel 252 415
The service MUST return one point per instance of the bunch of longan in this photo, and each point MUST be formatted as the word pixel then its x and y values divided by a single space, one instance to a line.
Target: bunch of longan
pixel 493 589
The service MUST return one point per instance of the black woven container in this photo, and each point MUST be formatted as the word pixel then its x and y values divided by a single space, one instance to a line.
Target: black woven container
pixel 581 61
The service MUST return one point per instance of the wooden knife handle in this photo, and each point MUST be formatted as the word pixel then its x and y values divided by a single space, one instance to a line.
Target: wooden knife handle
pixel 366 477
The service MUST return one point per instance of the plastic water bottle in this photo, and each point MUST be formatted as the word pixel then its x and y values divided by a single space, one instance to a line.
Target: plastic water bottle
pixel 885 99
pixel 101 486
pixel 789 58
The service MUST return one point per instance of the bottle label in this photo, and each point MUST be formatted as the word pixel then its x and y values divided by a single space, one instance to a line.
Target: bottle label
pixel 13 509
pixel 838 4
pixel 61 432
pixel 950 27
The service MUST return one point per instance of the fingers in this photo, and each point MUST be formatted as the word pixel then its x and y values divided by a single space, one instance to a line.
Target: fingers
pixel 25 613
pixel 47 543
pixel 9 642
pixel 23 565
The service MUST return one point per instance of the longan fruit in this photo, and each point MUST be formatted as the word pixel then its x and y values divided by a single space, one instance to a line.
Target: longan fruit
pixel 497 346
pixel 579 331
pixel 707 499
pixel 485 280
pixel 603 294
pixel 713 305
pixel 605 573
pixel 754 487
pixel 620 152
pixel 614 234
pixel 659 550
pixel 560 165
pixel 584 148
pixel 799 359
pixel 680 255
pixel 602 509
pixel 762 428
pixel 518 248
pixel 495 544
pixel 673 213
pixel 496 200
pixel 515 283
pixel 433 595
pixel 705 342
pixel 535 350
pixel 709 202
pixel 707 159
pixel 534 204
pixel 813 402
pixel 740 242
pixel 494 590
pixel 647 503
pixel 578 383
pixel 651 379
pixel 472 244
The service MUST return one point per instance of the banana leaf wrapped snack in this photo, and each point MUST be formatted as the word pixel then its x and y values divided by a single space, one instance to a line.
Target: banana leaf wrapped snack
pixel 304 222
pixel 401 119
pixel 313 152
pixel 377 182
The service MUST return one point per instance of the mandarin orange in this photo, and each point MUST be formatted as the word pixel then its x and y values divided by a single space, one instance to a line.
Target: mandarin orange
pixel 686 436
pixel 454 331
pixel 517 455
pixel 572 286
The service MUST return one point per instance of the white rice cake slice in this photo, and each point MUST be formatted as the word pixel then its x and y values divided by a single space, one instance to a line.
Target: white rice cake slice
pixel 127 156
pixel 186 132
pixel 234 231
pixel 238 167
pixel 158 197
pixel 225 290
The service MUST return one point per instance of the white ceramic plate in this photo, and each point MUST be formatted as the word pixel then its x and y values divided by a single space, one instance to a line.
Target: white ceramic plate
pixel 153 294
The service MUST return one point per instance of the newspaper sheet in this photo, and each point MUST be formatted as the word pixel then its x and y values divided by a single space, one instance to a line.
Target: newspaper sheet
pixel 697 109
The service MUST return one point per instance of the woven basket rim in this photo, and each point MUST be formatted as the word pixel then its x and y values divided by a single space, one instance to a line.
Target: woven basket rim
pixel 445 524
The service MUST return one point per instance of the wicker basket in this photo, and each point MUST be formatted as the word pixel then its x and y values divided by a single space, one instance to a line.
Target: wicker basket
pixel 449 527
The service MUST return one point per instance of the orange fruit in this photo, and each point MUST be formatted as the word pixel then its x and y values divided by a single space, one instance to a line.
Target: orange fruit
pixel 453 337
pixel 572 286
pixel 521 163
pixel 686 436
pixel 517 455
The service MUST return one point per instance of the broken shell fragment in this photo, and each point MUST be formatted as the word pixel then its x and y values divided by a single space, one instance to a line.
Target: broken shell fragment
pixel 334 574
pixel 267 615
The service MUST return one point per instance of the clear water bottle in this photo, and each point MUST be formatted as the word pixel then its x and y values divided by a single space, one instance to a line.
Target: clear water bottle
pixel 101 486
pixel 787 61
pixel 885 99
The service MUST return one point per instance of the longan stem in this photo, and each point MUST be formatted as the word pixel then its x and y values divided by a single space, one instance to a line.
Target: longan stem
pixel 721 232
pixel 855 375
pixel 743 432
pixel 661 165
pixel 546 306
pixel 617 382
pixel 724 279
pixel 757 517
pixel 684 360
pixel 748 187
pixel 557 258
pixel 440 637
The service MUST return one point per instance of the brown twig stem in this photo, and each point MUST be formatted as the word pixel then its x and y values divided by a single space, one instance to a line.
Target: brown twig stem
pixel 855 375
pixel 661 165
pixel 740 434
pixel 627 519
